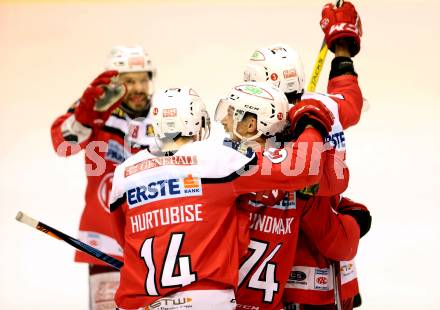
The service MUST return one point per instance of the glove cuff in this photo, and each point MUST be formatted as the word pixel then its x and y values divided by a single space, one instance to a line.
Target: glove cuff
pixel 342 66
pixel 363 218
pixel 75 132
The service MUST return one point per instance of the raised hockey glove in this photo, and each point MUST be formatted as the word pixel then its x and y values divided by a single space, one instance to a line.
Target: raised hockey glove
pixel 102 96
pixel 342 23
pixel 310 112
pixel 358 211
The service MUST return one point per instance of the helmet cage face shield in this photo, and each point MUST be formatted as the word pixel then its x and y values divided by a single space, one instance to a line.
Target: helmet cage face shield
pixel 225 108
pixel 263 100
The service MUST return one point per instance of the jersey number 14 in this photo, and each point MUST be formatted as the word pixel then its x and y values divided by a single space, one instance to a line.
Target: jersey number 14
pixel 168 278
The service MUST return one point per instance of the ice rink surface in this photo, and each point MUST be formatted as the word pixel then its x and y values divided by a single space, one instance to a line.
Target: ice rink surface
pixel 51 51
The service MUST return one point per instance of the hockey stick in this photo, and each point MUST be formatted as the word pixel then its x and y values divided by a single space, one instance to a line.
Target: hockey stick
pixel 336 266
pixel 25 219
pixel 319 64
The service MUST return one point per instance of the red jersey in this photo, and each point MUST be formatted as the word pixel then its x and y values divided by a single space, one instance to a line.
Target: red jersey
pixel 274 230
pixel 176 220
pixel 104 148
pixel 310 281
pixel 346 104
pixel 344 100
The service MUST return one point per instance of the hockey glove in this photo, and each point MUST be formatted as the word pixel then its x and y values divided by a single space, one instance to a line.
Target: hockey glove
pixel 310 112
pixel 100 99
pixel 342 23
pixel 358 211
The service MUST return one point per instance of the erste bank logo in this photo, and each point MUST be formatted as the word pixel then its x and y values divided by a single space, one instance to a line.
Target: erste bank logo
pixel 164 189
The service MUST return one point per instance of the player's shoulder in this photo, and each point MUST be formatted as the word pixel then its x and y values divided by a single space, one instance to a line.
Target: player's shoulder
pixel 329 100
pixel 212 147
pixel 131 161
pixel 324 97
pixel 218 157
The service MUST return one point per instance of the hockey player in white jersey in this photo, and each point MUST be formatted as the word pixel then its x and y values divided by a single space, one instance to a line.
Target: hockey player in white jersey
pixel 175 215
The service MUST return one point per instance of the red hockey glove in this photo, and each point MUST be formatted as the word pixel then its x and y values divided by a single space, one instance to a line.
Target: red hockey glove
pixel 342 23
pixel 358 211
pixel 310 112
pixel 100 99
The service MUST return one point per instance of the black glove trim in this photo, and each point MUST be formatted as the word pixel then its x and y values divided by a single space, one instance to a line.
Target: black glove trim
pixel 362 217
pixel 342 66
pixel 304 121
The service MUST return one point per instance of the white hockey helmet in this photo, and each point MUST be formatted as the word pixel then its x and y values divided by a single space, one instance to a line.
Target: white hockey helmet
pixel 278 64
pixel 179 112
pixel 126 59
pixel 264 100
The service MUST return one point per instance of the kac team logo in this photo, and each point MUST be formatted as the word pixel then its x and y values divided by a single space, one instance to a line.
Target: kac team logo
pixel 321 279
pixel 164 189
pixel 276 155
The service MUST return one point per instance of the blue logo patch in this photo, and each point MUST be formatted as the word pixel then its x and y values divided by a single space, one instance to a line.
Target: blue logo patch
pixel 164 189
pixel 116 152
pixel 240 147
pixel 336 140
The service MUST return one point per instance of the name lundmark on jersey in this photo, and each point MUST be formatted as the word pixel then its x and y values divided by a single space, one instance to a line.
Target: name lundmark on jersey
pixel 166 216
pixel 270 224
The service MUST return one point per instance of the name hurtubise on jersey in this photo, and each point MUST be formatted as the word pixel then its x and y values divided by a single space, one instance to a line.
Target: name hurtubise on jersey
pixel 167 216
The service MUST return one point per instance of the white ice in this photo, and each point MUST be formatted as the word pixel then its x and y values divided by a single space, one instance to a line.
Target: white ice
pixel 50 52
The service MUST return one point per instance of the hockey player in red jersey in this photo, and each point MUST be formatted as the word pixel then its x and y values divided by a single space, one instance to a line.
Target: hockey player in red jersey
pixel 275 220
pixel 342 29
pixel 310 284
pixel 105 122
pixel 175 215
pixel 282 66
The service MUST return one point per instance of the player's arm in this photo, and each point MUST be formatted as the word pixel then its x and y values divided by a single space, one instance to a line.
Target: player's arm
pixel 335 234
pixel 343 30
pixel 299 163
pixel 243 228
pixel 72 131
pixel 118 203
pixel 68 135
pixel 358 211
